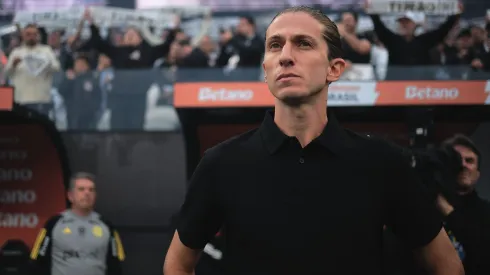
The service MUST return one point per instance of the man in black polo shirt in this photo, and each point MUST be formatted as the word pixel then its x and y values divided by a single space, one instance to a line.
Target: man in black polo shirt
pixel 299 195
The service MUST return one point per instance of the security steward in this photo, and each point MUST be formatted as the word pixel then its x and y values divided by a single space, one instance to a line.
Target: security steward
pixel 467 216
pixel 78 241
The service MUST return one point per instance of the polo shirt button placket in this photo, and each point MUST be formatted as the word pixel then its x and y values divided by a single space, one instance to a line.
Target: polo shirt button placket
pixel 301 160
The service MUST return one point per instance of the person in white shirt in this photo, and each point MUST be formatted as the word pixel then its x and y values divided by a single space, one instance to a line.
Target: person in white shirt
pixel 30 68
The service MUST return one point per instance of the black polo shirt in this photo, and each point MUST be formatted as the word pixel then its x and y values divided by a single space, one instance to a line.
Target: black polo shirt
pixel 314 210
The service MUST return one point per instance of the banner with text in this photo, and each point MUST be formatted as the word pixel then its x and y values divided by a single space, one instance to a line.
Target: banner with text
pixel 428 7
pixel 107 16
pixel 31 180
pixel 352 93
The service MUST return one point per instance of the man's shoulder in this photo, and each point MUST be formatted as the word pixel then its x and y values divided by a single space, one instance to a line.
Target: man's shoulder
pixel 52 221
pixel 104 221
pixel 377 147
pixel 232 145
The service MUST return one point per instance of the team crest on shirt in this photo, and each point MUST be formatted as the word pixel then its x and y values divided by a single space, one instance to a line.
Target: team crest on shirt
pixel 97 231
pixel 67 231
pixel 136 55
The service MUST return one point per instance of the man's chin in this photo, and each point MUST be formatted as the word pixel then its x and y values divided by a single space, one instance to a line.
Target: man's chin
pixel 465 187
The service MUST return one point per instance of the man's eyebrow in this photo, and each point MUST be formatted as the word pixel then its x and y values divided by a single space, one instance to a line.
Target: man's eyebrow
pixel 295 37
pixel 275 37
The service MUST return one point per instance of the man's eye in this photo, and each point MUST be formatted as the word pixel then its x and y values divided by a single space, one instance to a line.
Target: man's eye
pixel 274 45
pixel 304 43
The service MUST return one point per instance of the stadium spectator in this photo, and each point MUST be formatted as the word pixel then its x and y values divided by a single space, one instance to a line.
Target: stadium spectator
pixel 244 48
pixel 406 48
pixel 82 95
pixel 464 48
pixel 482 58
pixel 31 67
pixel 134 53
pixel 200 56
pixel 106 75
pixel 356 47
pixel 78 240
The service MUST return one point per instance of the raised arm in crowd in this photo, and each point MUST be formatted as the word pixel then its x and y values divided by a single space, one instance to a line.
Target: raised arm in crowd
pixel 407 48
pixel 135 52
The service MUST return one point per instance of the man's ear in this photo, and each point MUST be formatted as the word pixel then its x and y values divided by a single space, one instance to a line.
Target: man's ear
pixel 337 67
pixel 265 73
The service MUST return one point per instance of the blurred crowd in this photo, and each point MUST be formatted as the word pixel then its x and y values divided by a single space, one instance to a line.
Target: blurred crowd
pixel 31 58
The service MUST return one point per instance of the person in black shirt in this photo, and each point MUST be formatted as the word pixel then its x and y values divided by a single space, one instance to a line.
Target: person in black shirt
pixel 467 216
pixel 482 58
pixel 357 48
pixel 245 43
pixel 407 49
pixel 301 195
pixel 82 96
pixel 199 56
pixel 129 94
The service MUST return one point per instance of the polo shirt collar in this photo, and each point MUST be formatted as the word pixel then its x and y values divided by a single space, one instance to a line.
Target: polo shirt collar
pixel 333 137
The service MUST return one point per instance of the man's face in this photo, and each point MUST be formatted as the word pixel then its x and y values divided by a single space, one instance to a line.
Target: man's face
pixel 55 39
pixel 349 22
pixel 207 44
pixel 243 27
pixel 83 194
pixel 132 37
pixel 464 42
pixel 478 34
pixel 174 50
pixel 407 26
pixel 31 36
pixel 104 61
pixel 470 174
pixel 295 46
pixel 81 66
pixel 181 36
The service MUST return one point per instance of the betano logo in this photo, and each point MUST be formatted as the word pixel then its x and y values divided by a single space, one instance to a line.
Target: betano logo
pixel 431 93
pixel 222 94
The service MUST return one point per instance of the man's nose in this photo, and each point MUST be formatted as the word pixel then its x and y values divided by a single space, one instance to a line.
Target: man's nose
pixel 286 59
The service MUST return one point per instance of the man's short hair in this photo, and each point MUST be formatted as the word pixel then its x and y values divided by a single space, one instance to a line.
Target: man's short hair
pixel 83 57
pixel 354 14
pixel 80 175
pixel 31 25
pixel 330 33
pixel 462 140
pixel 250 20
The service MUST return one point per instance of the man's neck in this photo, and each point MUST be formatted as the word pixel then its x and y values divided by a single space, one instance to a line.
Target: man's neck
pixel 81 212
pixel 408 37
pixel 305 122
pixel 30 46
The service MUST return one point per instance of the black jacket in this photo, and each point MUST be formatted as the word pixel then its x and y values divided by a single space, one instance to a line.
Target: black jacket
pixel 469 223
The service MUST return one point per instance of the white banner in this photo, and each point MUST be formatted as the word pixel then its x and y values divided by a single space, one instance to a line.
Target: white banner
pixel 62 18
pixel 113 17
pixel 8 30
pixel 103 16
pixel 359 72
pixel 429 7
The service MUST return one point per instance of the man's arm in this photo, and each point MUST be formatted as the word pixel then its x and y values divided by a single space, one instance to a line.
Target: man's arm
pixel 54 63
pixel 412 215
pixel 180 259
pixel 360 45
pixel 41 251
pixel 115 254
pixel 12 62
pixel 200 218
pixel 439 256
